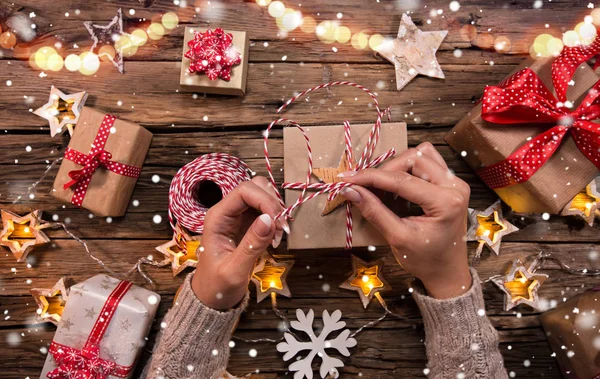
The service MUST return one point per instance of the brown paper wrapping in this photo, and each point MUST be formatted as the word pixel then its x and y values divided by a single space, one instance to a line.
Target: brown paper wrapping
pixel 559 180
pixel 108 193
pixel 199 82
pixel 572 331
pixel 310 230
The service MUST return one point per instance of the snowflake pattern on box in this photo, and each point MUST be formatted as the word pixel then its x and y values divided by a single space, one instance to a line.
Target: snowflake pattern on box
pixel 317 345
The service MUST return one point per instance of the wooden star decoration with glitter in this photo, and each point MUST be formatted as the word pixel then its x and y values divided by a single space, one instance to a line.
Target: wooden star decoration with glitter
pixel 366 279
pixel 585 204
pixel 62 110
pixel 51 301
pixel 330 175
pixel 488 227
pixel 413 52
pixel 109 35
pixel 520 286
pixel 182 250
pixel 22 233
pixel 270 277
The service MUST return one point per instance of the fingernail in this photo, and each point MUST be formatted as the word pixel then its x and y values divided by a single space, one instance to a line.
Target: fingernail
pixel 351 195
pixel 263 228
pixel 347 174
pixel 277 239
pixel 285 226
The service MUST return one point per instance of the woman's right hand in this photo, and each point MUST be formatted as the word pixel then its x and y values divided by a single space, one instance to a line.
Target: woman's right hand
pixel 431 247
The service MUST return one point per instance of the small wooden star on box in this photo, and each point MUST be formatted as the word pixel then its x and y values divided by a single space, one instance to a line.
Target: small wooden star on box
pixel 62 111
pixel 51 301
pixel 366 279
pixel 488 227
pixel 21 234
pixel 520 286
pixel 270 276
pixel 330 175
pixel 413 52
pixel 180 257
pixel 585 204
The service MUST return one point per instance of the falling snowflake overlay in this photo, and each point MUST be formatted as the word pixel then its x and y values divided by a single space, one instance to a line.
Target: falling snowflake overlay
pixel 211 52
pixel 317 345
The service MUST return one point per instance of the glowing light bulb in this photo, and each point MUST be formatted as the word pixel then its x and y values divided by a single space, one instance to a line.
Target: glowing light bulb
pixel 272 284
pixel 365 278
pixel 486 233
pixel 72 62
pixel 26 229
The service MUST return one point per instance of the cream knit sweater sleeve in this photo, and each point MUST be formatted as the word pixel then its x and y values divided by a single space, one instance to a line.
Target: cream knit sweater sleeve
pixel 194 343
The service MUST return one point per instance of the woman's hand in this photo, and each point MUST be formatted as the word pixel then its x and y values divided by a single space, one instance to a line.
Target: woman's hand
pixel 235 235
pixel 432 247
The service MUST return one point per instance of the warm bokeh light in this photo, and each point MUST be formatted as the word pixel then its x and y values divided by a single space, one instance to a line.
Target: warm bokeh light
pixel 290 20
pixel 554 47
pixel 156 31
pixel 55 62
pixel 571 38
pixel 587 32
pixel 326 31
pixel 596 16
pixel 170 20
pixel 309 25
pixel 139 37
pixel 276 9
pixel 360 40
pixel 263 3
pixel 106 53
pixel 89 63
pixel 375 41
pixel 126 46
pixel 72 62
pixel 342 34
pixel 502 44
pixel 42 55
pixel 8 40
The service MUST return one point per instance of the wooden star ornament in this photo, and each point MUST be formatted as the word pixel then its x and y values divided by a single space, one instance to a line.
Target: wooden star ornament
pixel 51 301
pixel 330 175
pixel 182 250
pixel 109 35
pixel 366 279
pixel 62 111
pixel 520 286
pixel 488 227
pixel 413 52
pixel 585 204
pixel 22 233
pixel 270 276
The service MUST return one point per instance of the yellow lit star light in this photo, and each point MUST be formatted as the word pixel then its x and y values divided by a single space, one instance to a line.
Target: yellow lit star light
pixel 330 175
pixel 51 301
pixel 22 234
pixel 61 110
pixel 181 250
pixel 488 227
pixel 585 204
pixel 520 286
pixel 270 276
pixel 366 279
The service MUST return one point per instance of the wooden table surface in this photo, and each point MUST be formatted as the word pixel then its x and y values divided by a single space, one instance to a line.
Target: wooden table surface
pixel 187 126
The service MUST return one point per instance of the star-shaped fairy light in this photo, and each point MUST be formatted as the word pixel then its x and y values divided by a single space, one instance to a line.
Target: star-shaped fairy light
pixel 22 233
pixel 51 301
pixel 413 52
pixel 61 110
pixel 270 276
pixel 330 175
pixel 520 286
pixel 107 40
pixel 181 250
pixel 488 227
pixel 585 204
pixel 366 279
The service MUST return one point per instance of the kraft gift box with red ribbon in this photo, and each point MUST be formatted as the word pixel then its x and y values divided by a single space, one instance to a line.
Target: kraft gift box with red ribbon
pixel 102 330
pixel 573 333
pixel 102 163
pixel 532 138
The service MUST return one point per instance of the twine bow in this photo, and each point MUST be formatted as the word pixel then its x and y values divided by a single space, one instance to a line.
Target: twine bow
pixel 332 189
pixel 86 363
pixel 524 99
pixel 96 158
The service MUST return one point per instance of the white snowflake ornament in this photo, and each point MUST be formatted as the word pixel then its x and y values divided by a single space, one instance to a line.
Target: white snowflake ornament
pixel 317 345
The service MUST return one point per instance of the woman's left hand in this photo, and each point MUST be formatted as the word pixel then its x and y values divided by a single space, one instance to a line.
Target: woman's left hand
pixel 235 235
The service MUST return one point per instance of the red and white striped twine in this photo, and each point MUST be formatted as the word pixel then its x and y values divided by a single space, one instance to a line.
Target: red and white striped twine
pixel 332 189
pixel 226 171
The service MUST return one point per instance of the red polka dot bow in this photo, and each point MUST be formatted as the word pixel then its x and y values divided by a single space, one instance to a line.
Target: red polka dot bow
pixel 212 52
pixel 86 363
pixel 96 158
pixel 524 99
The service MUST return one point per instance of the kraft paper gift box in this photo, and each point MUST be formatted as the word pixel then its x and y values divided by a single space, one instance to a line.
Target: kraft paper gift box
pixel 108 192
pixel 127 329
pixel 311 230
pixel 557 181
pixel 573 334
pixel 199 82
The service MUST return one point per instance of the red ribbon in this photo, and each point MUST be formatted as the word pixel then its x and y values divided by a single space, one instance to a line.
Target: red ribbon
pixel 211 52
pixel 524 99
pixel 86 363
pixel 96 158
